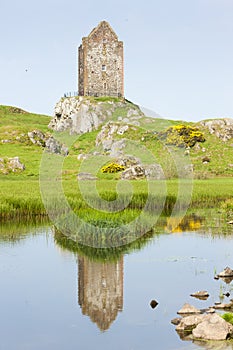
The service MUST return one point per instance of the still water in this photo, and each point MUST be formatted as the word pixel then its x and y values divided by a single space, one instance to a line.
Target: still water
pixel 53 298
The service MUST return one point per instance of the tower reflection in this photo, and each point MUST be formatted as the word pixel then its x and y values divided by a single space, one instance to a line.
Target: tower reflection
pixel 100 290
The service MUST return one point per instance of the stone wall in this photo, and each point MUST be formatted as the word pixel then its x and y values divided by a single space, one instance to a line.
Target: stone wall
pixel 101 63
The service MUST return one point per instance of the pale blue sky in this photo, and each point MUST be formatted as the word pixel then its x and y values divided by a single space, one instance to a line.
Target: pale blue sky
pixel 178 53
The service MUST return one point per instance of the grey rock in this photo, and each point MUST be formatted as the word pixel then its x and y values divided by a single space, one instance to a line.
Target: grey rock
pixel 222 128
pixel 154 172
pixel 213 327
pixel 80 115
pixel 188 323
pixel 8 165
pixel 188 309
pixel 133 173
pixel 15 165
pixel 127 161
pixel 86 176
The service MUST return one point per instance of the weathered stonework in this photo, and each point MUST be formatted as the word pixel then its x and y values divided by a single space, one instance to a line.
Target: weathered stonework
pixel 101 63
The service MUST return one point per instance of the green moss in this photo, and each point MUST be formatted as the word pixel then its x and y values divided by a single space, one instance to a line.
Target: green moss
pixel 228 316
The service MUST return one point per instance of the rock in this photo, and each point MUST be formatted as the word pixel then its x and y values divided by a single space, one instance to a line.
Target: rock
pixel 227 272
pixel 116 148
pixel 210 310
pixel 133 173
pixel 203 295
pixel 82 156
pixel 213 327
pixel 154 172
pixel 188 323
pixel 176 320
pixel 127 161
pixel 227 294
pixel 188 309
pixel 153 304
pixel 80 115
pixel 37 137
pixel 11 165
pixel 121 130
pixel 15 165
pixel 86 176
pixel 205 160
pixel 223 306
pixel 222 128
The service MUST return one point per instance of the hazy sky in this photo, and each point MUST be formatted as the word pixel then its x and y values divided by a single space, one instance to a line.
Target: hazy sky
pixel 178 53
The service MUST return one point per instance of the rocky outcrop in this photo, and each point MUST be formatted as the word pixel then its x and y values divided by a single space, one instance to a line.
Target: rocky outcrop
pixel 222 128
pixel 11 165
pixel 82 114
pixel 47 141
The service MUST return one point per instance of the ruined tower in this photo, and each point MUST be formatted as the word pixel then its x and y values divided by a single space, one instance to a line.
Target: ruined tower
pixel 101 63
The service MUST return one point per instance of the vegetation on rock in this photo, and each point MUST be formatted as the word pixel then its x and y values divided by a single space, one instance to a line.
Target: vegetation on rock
pixel 228 316
pixel 112 168
pixel 182 135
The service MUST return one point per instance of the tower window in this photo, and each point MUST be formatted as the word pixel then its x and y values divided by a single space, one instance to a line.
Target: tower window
pixel 103 68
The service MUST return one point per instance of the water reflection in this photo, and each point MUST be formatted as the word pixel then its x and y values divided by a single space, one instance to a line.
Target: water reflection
pixel 100 290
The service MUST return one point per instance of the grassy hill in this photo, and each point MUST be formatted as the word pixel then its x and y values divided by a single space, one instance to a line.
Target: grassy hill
pixel 20 192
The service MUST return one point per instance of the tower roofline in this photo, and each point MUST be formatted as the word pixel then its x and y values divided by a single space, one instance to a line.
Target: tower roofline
pixel 102 24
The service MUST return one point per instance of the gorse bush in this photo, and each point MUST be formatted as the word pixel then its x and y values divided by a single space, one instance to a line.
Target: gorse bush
pixel 182 135
pixel 112 168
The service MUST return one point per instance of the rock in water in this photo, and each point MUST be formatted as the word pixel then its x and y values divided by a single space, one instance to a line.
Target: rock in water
pixel 188 323
pixel 188 309
pixel 227 272
pixel 213 327
pixel 202 295
pixel 153 304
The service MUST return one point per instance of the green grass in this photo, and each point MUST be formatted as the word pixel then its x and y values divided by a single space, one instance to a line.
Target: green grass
pixel 20 193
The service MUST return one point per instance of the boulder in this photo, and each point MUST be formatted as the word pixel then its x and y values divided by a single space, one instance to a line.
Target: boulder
pixel 133 173
pixel 188 323
pixel 11 165
pixel 213 327
pixel 38 138
pixel 188 309
pixel 154 172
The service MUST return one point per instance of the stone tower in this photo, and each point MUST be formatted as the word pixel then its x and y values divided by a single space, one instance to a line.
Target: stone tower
pixel 101 63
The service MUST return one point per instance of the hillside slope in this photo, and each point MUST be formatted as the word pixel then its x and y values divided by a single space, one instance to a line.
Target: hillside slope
pixel 210 158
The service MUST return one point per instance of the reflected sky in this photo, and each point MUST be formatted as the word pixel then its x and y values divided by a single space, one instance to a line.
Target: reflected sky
pixel 50 297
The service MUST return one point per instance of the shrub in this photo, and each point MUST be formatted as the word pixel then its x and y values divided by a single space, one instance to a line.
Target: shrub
pixel 112 168
pixel 182 135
